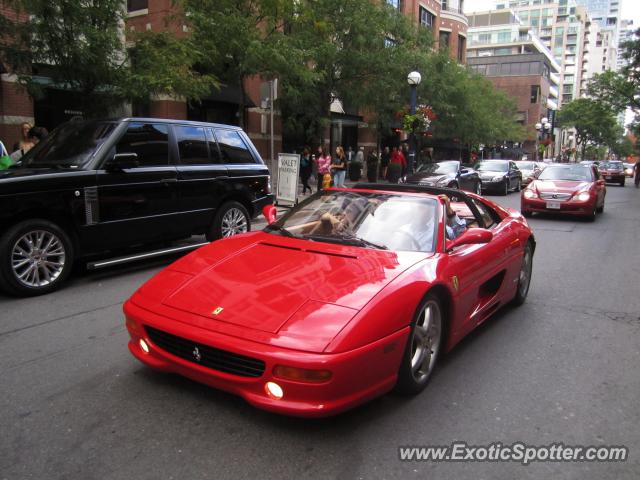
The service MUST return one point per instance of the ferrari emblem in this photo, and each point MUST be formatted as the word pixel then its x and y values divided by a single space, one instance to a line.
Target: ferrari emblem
pixel 217 311
pixel 454 280
pixel 197 356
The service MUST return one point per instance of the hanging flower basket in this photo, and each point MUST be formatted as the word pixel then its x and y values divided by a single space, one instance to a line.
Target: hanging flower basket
pixel 420 121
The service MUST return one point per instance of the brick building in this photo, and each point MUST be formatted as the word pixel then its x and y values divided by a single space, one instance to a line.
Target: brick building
pixel 350 128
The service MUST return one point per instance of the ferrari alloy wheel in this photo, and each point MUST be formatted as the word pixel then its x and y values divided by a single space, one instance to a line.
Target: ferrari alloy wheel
pixel 524 277
pixel 232 218
pixel 423 347
pixel 35 258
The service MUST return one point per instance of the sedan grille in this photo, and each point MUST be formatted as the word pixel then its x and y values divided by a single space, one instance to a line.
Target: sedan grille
pixel 555 196
pixel 205 355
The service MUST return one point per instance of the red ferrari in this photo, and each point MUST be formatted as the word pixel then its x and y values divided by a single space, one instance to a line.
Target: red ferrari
pixel 566 189
pixel 351 293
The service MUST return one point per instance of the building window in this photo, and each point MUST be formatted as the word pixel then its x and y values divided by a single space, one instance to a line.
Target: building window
pixel 567 88
pixel 444 39
pixel 426 18
pixel 535 93
pixel 567 98
pixel 133 5
pixel 462 43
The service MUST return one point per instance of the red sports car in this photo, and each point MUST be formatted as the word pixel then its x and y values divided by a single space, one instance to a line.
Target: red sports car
pixel 567 189
pixel 351 293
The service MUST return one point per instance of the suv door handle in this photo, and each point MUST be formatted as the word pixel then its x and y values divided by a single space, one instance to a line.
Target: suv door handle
pixel 167 181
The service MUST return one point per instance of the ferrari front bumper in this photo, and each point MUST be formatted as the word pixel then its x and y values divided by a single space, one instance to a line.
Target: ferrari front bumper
pixel 356 376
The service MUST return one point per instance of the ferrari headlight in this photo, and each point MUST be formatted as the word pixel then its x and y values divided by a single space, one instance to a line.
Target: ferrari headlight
pixel 528 193
pixel 497 179
pixel 583 196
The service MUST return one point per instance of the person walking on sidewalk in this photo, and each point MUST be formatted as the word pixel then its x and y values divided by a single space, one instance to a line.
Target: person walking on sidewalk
pixel 384 163
pixel 636 178
pixel 305 170
pixel 323 163
pixel 397 165
pixel 339 167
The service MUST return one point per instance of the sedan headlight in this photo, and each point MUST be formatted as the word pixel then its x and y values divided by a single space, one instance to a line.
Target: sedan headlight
pixel 497 179
pixel 528 193
pixel 629 171
pixel 443 181
pixel 583 196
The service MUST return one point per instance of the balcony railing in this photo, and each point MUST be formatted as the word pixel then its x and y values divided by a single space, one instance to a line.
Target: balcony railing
pixel 453 8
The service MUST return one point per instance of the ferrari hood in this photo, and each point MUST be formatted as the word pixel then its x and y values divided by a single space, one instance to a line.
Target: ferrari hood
pixel 263 285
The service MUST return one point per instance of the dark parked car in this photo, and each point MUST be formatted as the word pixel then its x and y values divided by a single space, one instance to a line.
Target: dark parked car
pixel 93 188
pixel 499 176
pixel 451 174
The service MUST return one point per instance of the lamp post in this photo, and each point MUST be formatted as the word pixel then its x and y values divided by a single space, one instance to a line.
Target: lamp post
pixel 542 127
pixel 413 79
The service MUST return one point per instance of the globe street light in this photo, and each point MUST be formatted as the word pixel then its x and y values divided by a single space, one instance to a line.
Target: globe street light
pixel 541 127
pixel 413 79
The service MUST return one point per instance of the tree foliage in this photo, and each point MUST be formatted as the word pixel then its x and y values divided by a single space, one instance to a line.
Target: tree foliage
pixel 593 121
pixel 81 46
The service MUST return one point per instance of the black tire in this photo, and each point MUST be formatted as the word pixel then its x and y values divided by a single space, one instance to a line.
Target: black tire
pixel 412 380
pixel 239 218
pixel 526 213
pixel 622 183
pixel 525 270
pixel 505 192
pixel 53 258
pixel 519 185
pixel 454 185
pixel 592 216
pixel 600 209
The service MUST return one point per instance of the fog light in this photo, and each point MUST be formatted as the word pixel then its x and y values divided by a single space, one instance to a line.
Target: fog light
pixel 144 346
pixel 273 390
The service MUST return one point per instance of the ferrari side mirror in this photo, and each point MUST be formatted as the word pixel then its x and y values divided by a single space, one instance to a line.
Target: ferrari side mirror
pixel 469 237
pixel 270 212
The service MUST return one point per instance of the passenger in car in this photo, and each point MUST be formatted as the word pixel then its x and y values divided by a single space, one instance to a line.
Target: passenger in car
pixel 454 225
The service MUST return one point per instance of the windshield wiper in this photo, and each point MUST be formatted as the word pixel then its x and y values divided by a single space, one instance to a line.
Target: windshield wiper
pixel 347 239
pixel 280 229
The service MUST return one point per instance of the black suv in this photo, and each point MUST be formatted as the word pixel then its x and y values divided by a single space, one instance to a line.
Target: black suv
pixel 95 187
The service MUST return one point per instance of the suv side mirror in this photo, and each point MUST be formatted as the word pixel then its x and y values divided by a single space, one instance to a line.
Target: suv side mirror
pixel 269 212
pixel 464 171
pixel 123 161
pixel 469 237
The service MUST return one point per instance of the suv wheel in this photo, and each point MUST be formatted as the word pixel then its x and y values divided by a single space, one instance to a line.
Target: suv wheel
pixel 231 219
pixel 36 257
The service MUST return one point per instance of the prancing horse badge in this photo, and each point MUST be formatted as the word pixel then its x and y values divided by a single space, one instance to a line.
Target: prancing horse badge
pixel 454 280
pixel 217 311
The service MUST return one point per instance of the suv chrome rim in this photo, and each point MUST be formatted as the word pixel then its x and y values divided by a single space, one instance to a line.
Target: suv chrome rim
pixel 525 272
pixel 425 342
pixel 234 222
pixel 38 258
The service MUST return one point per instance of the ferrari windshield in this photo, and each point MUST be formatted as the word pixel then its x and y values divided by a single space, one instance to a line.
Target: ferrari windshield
pixel 440 168
pixel 576 173
pixel 370 220
pixel 493 166
pixel 69 145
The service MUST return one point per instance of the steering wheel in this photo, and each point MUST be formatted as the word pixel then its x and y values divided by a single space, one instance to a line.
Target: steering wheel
pixel 407 236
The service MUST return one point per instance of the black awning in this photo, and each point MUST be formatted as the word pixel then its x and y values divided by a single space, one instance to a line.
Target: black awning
pixel 228 94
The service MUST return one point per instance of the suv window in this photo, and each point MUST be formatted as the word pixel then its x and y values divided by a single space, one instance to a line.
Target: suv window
pixel 192 145
pixel 232 147
pixel 149 140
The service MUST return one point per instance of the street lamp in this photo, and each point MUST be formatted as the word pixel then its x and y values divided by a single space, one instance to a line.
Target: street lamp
pixel 542 127
pixel 413 79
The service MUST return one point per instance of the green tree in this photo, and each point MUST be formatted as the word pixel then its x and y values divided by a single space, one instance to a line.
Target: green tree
pixel 594 122
pixel 239 39
pixel 80 46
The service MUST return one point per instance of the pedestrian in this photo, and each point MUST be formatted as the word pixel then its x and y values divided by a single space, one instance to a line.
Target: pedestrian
pixel 37 134
pixel 397 165
pixel 636 179
pixel 372 167
pixel 305 170
pixel 339 167
pixel 323 163
pixel 384 163
pixel 26 142
pixel 350 155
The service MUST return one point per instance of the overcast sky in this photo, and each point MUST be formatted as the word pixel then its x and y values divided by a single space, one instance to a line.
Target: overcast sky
pixel 630 8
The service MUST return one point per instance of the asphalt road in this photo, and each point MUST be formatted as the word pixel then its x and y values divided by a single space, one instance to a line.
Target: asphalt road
pixel 563 368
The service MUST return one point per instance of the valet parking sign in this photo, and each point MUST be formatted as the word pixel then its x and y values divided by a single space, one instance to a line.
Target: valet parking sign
pixel 288 175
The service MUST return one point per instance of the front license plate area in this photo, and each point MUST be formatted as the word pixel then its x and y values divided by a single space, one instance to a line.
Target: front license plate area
pixel 553 205
pixel 608 177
